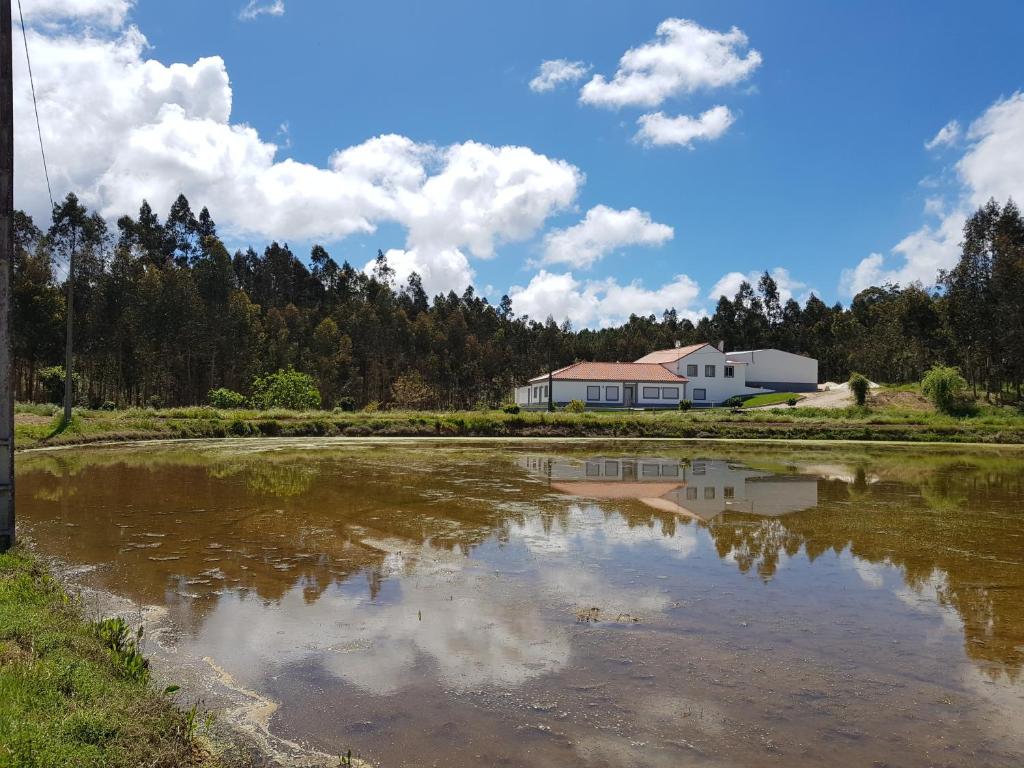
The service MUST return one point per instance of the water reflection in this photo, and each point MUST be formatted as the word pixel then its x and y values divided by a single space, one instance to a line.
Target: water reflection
pixel 450 573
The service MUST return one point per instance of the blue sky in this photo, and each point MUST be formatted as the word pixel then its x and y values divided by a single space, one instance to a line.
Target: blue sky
pixel 823 164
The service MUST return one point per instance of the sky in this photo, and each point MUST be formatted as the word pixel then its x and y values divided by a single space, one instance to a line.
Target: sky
pixel 589 159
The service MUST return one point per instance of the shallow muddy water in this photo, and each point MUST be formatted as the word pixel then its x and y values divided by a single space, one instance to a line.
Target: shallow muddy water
pixel 592 604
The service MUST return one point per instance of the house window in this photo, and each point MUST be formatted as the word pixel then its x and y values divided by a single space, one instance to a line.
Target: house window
pixel 700 394
pixel 593 469
pixel 691 493
pixel 670 393
pixel 730 372
pixel 593 393
pixel 709 371
pixel 651 393
pixel 649 470
pixel 545 390
pixel 709 492
pixel 691 369
pixel 611 393
pixel 611 469
pixel 670 470
pixel 536 393
pixel 729 492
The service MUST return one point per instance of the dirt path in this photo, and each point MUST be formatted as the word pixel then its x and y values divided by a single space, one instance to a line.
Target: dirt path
pixel 833 398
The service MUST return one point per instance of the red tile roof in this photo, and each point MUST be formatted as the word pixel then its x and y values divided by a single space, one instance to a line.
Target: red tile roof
pixel 663 356
pixel 612 372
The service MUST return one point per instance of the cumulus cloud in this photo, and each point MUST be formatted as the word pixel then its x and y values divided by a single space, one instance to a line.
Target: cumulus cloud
pixel 254 9
pixel 789 287
pixel 555 72
pixel 601 302
pixel 947 135
pixel 991 166
pixel 658 129
pixel 684 57
pixel 602 231
pixel 120 127
pixel 105 13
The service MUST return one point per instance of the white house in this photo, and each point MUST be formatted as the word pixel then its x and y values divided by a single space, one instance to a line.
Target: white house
pixel 713 376
pixel 606 385
pixel 701 373
pixel 778 370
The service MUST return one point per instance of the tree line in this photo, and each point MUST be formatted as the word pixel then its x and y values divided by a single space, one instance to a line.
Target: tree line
pixel 164 314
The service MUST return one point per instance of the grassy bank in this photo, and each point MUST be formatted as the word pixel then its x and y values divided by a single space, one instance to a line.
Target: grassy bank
pixel 36 426
pixel 74 693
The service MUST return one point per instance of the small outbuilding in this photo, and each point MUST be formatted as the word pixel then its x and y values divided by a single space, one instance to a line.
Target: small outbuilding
pixel 778 370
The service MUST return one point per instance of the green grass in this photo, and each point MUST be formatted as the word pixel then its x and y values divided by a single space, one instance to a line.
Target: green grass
pixel 772 398
pixel 74 693
pixel 989 425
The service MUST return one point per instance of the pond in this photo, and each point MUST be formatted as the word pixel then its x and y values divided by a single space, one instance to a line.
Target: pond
pixel 570 604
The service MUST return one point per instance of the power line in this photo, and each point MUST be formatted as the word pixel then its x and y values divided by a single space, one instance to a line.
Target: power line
pixel 35 104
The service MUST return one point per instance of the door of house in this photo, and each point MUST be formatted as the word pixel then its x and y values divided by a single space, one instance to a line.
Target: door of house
pixel 629 395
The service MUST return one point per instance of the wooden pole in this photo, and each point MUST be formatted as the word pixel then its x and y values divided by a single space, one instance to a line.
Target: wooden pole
pixel 6 272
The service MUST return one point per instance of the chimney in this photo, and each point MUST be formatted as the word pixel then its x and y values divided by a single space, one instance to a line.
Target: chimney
pixel 678 344
pixel 721 346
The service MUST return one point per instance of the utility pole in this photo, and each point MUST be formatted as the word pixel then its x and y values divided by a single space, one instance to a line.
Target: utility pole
pixel 71 318
pixel 6 273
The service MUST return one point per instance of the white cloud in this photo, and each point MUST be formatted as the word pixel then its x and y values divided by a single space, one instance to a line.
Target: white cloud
pixel 105 13
pixel 992 166
pixel 602 231
pixel 120 127
pixel 658 129
pixel 255 9
pixel 947 135
pixel 789 287
pixel 684 58
pixel 557 71
pixel 601 302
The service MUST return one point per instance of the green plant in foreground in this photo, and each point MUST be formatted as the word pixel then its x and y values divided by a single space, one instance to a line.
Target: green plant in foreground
pixel 576 406
pixel 226 398
pixel 116 636
pixel 945 387
pixel 859 387
pixel 285 389
pixel 685 405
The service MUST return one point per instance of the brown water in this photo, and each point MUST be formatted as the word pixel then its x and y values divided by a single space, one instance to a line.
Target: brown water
pixel 643 604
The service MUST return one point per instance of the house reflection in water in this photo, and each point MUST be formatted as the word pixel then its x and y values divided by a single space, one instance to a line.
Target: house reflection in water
pixel 701 489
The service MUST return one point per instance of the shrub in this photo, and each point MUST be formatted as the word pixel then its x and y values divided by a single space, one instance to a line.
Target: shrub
pixel 791 402
pixel 346 404
pixel 859 386
pixel 155 401
pixel 575 406
pixel 52 381
pixel 945 387
pixel 410 390
pixel 285 389
pixel 371 407
pixel 108 405
pixel 685 405
pixel 510 408
pixel 733 402
pixel 225 398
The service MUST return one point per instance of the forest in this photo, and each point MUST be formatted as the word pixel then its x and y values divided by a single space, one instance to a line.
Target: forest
pixel 164 313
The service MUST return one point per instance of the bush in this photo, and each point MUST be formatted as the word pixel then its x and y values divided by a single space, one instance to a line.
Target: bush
pixel 410 390
pixel 945 387
pixel 371 407
pixel 285 389
pixel 108 405
pixel 155 401
pixel 510 408
pixel 576 406
pixel 733 402
pixel 52 381
pixel 346 404
pixel 859 386
pixel 791 402
pixel 685 405
pixel 225 398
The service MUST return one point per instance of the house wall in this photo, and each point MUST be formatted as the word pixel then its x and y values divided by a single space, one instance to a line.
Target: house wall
pixel 526 397
pixel 717 389
pixel 778 370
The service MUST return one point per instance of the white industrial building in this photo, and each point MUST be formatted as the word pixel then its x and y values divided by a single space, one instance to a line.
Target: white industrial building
pixel 778 370
pixel 700 373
